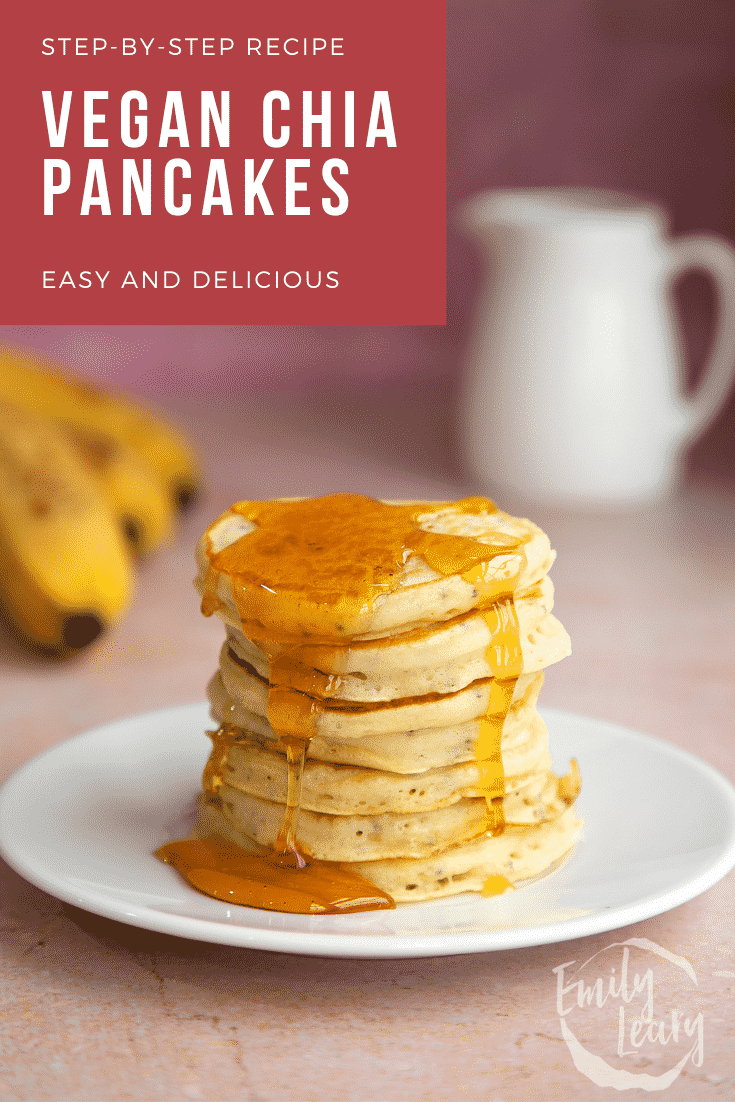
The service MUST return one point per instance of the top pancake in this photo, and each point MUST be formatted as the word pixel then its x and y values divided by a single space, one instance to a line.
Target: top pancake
pixel 346 568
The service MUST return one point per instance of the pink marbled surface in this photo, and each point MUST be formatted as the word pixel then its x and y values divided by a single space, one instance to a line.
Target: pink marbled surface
pixel 95 1011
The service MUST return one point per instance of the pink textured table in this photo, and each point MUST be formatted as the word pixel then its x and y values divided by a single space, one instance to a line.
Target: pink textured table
pixel 96 1011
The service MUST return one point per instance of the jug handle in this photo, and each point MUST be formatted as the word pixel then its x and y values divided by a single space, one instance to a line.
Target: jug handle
pixel 716 257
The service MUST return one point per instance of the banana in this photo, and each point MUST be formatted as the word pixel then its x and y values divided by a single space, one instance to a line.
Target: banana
pixel 135 493
pixel 65 573
pixel 38 385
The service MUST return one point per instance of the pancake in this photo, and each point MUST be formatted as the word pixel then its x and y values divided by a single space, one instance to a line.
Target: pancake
pixel 442 659
pixel 376 700
pixel 353 790
pixel 518 854
pixel 523 743
pixel 389 833
pixel 481 698
pixel 516 555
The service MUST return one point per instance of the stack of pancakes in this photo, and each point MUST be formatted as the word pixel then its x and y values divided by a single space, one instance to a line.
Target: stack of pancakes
pixel 427 767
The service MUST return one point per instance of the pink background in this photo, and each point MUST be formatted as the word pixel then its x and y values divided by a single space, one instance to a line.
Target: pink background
pixel 635 95
pixel 625 95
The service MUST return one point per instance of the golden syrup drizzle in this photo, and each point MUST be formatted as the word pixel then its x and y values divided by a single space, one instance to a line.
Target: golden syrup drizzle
pixel 489 758
pixel 286 841
pixel 504 655
pixel 308 574
pixel 211 603
pixel 505 658
pixel 224 871
pixel 311 570
pixel 570 785
pixel 495 885
pixel 222 742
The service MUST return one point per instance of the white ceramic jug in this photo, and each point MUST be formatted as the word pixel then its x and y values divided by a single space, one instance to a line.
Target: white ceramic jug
pixel 573 393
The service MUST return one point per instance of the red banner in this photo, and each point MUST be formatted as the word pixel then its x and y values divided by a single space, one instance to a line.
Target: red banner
pixel 224 164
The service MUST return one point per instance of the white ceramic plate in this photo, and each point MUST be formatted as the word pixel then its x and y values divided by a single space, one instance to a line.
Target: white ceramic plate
pixel 82 821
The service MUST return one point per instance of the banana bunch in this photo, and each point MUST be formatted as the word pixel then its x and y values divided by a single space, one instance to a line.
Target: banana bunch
pixel 88 480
